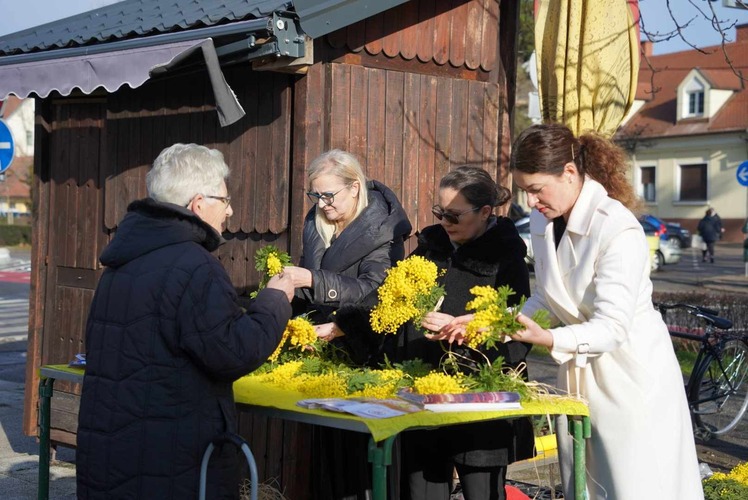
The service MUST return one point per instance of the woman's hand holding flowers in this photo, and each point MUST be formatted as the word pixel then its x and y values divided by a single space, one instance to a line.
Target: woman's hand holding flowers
pixel 302 277
pixel 454 331
pixel 283 283
pixel 533 334
pixel 436 322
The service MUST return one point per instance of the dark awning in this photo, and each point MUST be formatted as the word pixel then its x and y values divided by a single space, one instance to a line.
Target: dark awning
pixel 86 73
pixel 127 62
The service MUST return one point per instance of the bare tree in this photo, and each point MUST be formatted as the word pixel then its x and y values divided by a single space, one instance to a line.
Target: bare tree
pixel 698 9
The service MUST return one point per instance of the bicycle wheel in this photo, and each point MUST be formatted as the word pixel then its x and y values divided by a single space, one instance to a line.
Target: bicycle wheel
pixel 719 396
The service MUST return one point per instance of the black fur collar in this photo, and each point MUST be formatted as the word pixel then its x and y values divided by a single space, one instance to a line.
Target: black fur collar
pixel 483 256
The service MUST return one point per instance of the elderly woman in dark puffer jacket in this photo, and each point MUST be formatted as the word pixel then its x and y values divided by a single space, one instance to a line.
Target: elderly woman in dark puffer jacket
pixel 165 339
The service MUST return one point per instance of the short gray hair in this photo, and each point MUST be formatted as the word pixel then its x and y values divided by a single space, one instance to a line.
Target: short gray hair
pixel 183 170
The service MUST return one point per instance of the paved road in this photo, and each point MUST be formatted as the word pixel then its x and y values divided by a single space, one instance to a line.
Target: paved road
pixel 19 453
pixel 726 275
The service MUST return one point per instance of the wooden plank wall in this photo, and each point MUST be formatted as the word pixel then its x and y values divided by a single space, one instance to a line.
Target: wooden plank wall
pixel 93 157
pixel 461 33
pixel 409 130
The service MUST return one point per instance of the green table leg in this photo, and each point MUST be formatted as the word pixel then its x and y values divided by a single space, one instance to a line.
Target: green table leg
pixel 380 456
pixel 45 403
pixel 581 429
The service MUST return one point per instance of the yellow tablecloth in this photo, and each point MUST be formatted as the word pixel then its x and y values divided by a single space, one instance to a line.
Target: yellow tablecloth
pixel 250 392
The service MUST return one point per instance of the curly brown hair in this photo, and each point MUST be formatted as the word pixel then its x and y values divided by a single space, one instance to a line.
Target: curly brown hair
pixel 546 148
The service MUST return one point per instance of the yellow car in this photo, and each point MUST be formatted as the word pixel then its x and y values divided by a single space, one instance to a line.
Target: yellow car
pixel 654 252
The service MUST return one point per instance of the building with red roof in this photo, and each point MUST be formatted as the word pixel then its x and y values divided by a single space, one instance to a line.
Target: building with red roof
pixel 688 133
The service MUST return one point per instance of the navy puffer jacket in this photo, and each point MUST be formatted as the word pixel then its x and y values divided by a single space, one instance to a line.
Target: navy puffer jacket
pixel 165 339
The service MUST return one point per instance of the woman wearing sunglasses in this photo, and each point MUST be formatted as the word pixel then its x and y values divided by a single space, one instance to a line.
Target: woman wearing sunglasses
pixel 352 235
pixel 474 247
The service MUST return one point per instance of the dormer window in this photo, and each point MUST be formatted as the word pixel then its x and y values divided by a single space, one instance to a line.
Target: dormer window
pixel 695 98
pixel 696 103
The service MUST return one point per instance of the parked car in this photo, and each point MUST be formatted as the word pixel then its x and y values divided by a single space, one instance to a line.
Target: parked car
pixel 516 212
pixel 523 228
pixel 658 225
pixel 666 253
pixel 678 235
pixel 655 256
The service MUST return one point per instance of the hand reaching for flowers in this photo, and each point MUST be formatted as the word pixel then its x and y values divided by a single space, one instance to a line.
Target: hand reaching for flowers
pixel 533 334
pixel 283 283
pixel 328 331
pixel 302 277
pixel 446 326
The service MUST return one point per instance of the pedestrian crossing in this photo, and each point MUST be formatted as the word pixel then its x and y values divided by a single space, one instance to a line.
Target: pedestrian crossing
pixel 14 319
pixel 16 265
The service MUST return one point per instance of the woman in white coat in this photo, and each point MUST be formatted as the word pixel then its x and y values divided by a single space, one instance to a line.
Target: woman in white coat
pixel 592 275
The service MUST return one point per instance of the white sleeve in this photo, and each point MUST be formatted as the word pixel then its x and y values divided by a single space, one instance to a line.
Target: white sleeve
pixel 619 272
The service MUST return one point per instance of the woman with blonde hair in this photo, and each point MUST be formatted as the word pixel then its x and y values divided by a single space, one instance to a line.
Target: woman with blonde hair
pixel 352 235
pixel 354 232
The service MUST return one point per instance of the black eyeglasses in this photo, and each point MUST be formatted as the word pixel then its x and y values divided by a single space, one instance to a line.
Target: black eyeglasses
pixel 327 198
pixel 451 217
pixel 225 199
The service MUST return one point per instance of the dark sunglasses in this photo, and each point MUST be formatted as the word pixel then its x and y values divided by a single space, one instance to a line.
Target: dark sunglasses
pixel 451 217
pixel 327 198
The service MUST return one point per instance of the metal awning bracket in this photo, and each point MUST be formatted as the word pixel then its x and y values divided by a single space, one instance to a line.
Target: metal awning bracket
pixel 285 40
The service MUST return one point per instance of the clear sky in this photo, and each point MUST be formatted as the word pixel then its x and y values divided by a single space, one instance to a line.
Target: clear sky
pixel 699 32
pixel 16 15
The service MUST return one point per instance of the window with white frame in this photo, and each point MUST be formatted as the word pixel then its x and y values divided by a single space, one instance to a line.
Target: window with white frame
pixel 692 182
pixel 695 98
pixel 695 103
pixel 647 189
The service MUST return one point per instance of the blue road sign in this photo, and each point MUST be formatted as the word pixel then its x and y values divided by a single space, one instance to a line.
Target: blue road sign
pixel 6 147
pixel 742 173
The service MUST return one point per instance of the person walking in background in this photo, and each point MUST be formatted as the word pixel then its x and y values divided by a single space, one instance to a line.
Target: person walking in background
pixel 613 348
pixel 166 338
pixel 710 230
pixel 719 223
pixel 352 235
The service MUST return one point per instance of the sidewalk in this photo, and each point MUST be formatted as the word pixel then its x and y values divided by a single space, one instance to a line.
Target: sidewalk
pixel 19 454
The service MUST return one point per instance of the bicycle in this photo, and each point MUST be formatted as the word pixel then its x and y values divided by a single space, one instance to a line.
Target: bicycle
pixel 717 389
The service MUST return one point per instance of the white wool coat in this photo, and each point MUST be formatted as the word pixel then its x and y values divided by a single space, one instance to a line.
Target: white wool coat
pixel 614 350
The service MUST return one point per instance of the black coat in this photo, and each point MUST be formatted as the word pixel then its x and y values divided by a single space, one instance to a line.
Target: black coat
pixel 356 262
pixel 165 339
pixel 496 258
pixel 710 228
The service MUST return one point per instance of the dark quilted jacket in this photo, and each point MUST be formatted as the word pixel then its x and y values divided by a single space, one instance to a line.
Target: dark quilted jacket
pixel 165 339
pixel 356 263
